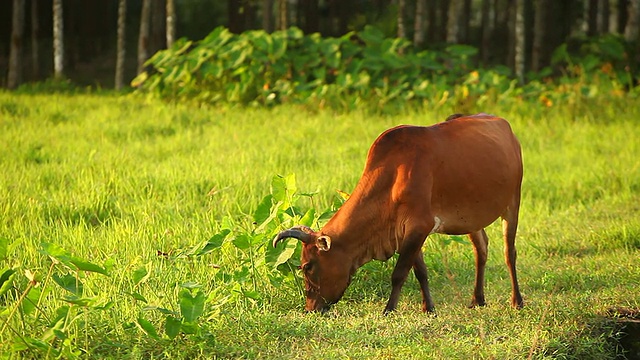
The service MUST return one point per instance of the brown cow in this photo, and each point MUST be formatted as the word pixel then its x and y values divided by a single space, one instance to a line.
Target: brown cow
pixel 455 177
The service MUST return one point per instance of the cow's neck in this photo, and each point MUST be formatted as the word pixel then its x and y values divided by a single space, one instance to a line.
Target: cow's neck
pixel 365 225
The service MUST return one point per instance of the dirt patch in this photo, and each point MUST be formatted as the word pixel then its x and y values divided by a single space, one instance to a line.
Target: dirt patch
pixel 626 323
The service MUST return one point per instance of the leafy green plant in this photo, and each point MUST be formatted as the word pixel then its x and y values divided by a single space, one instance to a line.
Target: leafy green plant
pixel 252 245
pixel 67 323
pixel 371 69
pixel 289 66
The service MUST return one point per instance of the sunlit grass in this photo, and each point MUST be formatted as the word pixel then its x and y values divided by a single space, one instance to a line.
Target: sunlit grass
pixel 136 181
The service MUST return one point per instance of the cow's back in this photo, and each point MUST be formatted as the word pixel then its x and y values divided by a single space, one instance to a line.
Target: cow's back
pixel 466 170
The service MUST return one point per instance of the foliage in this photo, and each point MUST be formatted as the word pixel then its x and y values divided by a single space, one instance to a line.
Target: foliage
pixel 254 259
pixel 363 67
pixel 288 66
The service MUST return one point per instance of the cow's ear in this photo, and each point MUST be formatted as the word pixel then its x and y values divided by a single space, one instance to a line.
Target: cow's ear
pixel 323 243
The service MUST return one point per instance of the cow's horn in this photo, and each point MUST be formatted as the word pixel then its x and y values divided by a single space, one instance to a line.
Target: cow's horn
pixel 300 232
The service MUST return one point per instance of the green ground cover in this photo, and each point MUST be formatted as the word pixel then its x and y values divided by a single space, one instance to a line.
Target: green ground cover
pixel 162 198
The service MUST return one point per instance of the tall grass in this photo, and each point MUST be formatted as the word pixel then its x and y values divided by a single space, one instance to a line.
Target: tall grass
pixel 129 184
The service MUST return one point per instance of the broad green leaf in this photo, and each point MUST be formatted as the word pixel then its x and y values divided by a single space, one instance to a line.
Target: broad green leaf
pixel 242 241
pixel 611 46
pixel 275 210
pixel 191 307
pixel 227 223
pixel 61 314
pixel 241 275
pixel 560 54
pixel 69 283
pixel 140 79
pixel 278 48
pixel 31 300
pixel 290 183
pixel 138 297
pixel 56 325
pixel 325 216
pixel 42 346
pixel 189 328
pixel 88 266
pixel 294 32
pixel 254 295
pixel 279 255
pixel 109 264
pixel 6 280
pixel 80 301
pixel 263 210
pixel 4 244
pixel 108 305
pixel 279 188
pixel 59 334
pixel 371 35
pixel 160 310
pixel 462 50
pixel 214 242
pixel 141 274
pixel 147 328
pixel 172 326
pixel 56 252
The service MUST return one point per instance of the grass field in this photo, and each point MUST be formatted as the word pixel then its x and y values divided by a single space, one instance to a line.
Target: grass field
pixel 133 186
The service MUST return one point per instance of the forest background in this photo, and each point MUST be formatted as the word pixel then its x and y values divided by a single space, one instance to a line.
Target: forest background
pixel 137 223
pixel 518 34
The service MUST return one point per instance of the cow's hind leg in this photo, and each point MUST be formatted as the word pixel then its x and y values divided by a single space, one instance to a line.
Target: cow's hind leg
pixel 410 249
pixel 509 227
pixel 420 270
pixel 480 244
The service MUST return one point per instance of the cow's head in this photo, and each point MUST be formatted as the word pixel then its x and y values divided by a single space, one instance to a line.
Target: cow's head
pixel 327 270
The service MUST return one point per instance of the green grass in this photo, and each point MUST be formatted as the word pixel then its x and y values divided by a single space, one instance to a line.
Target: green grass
pixel 115 180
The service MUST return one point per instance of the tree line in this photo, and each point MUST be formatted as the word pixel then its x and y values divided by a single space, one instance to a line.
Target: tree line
pixel 107 42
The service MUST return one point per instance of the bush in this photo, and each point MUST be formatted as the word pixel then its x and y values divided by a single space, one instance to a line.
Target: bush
pixel 365 67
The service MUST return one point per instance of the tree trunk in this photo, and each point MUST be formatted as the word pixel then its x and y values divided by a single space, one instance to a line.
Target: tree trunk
pixel 539 27
pixel 453 31
pixel 633 13
pixel 143 38
pixel 419 27
pixel 58 40
pixel 15 57
pixel 267 15
pixel 283 15
pixel 613 16
pixel 485 28
pixel 158 30
pixel 510 19
pixel 121 48
pixel 519 41
pixel 35 43
pixel 463 21
pixel 621 10
pixel 171 23
pixel 402 33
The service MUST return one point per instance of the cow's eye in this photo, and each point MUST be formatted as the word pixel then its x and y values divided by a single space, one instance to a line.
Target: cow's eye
pixel 306 267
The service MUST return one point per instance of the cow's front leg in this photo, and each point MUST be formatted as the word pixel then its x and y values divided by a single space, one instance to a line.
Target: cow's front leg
pixel 420 270
pixel 409 251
